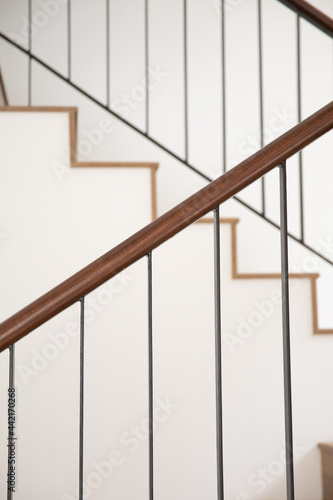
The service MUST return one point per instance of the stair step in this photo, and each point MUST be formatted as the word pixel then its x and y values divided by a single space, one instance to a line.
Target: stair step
pixel 327 469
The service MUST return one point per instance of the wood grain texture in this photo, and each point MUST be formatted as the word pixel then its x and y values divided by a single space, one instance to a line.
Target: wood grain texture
pixel 166 226
pixel 311 14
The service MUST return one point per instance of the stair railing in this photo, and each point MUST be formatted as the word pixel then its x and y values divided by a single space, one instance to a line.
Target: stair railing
pixel 303 10
pixel 311 14
pixel 143 244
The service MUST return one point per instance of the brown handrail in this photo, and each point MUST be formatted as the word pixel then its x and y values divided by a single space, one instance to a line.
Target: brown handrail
pixel 311 14
pixel 166 226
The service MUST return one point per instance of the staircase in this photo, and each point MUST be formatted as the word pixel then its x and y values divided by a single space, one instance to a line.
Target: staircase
pixel 113 262
pixel 178 386
pixel 79 200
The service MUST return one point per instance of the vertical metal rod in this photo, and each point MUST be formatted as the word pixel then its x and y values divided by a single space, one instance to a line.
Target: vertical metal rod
pixel 3 90
pixel 299 117
pixel 261 101
pixel 218 354
pixel 150 377
pixel 30 48
pixel 185 80
pixel 107 53
pixel 11 385
pixel 81 398
pixel 147 63
pixel 11 366
pixel 286 334
pixel 224 133
pixel 69 40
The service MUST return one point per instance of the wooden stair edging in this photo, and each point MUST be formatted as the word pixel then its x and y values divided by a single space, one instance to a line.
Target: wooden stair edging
pixel 74 163
pixel 326 452
pixel 165 227
pixel 235 274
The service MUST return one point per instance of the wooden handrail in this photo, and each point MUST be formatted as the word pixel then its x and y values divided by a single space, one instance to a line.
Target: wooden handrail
pixel 311 14
pixel 166 226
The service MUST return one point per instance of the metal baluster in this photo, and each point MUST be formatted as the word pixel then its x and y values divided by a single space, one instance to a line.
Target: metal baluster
pixel 11 385
pixel 299 113
pixel 3 90
pixel 261 102
pixel 102 105
pixel 147 63
pixel 218 354
pixel 30 48
pixel 224 133
pixel 69 40
pixel 286 334
pixel 107 53
pixel 185 80
pixel 81 398
pixel 150 376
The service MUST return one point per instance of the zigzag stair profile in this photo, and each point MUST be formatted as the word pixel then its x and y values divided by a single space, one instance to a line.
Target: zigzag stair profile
pixel 72 116
pixel 255 276
pixel 73 113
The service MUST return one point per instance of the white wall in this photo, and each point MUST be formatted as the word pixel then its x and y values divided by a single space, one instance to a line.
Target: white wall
pixel 116 395
pixel 52 229
pixel 126 93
